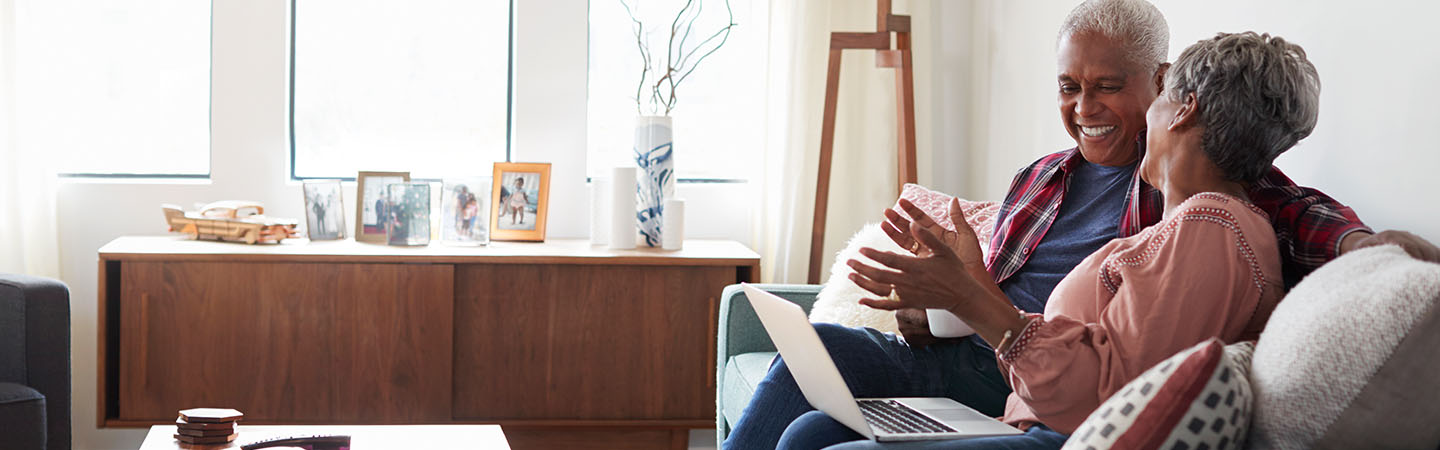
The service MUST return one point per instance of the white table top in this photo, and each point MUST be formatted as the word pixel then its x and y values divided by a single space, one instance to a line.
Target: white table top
pixel 362 437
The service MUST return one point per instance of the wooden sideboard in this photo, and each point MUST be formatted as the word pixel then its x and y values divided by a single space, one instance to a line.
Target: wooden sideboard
pixel 564 344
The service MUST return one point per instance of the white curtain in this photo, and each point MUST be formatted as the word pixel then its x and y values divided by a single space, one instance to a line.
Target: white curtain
pixel 863 168
pixel 29 242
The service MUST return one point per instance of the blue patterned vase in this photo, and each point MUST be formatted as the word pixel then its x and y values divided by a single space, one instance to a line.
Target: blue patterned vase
pixel 656 183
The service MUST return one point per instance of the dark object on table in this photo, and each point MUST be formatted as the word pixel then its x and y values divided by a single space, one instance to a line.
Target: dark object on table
pixel 319 442
pixel 34 363
pixel 180 423
pixel 210 415
pixel 207 425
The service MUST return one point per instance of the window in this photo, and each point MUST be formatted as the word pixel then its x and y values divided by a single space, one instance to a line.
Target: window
pixel 420 86
pixel 115 87
pixel 719 117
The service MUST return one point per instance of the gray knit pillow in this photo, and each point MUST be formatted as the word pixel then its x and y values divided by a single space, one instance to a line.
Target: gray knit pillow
pixel 1348 358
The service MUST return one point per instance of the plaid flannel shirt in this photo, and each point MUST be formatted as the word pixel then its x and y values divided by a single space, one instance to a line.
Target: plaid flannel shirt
pixel 1309 225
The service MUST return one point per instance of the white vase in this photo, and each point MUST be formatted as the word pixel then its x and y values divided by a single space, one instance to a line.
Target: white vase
pixel 654 150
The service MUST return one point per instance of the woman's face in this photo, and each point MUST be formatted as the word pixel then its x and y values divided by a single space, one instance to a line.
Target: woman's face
pixel 1159 138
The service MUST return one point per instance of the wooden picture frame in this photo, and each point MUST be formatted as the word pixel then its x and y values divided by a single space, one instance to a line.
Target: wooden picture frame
pixel 324 210
pixel 370 188
pixel 523 217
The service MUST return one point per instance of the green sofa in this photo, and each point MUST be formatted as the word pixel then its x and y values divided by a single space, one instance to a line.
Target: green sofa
pixel 744 351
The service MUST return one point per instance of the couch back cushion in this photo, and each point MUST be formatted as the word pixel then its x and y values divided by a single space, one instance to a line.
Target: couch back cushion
pixel 1348 358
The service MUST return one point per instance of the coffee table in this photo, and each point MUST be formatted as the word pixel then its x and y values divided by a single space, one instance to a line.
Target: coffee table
pixel 362 437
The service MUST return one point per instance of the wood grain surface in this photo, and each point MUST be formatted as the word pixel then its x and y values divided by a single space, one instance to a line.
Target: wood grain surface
pixel 585 342
pixel 286 342
pixel 571 345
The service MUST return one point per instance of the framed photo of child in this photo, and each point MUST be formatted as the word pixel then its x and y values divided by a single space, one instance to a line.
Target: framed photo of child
pixel 371 211
pixel 519 202
pixel 465 211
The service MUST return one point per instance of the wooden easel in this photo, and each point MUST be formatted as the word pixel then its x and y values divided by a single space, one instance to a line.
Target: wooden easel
pixel 897 58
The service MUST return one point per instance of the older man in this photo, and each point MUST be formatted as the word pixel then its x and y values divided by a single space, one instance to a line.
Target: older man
pixel 1111 60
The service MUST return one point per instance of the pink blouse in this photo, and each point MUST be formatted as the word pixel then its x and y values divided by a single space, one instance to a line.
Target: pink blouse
pixel 1211 269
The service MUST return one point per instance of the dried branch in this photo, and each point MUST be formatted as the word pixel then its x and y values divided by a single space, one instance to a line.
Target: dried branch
pixel 639 29
pixel 680 59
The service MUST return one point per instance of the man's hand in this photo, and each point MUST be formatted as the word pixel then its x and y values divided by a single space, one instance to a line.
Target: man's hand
pixel 1416 246
pixel 915 327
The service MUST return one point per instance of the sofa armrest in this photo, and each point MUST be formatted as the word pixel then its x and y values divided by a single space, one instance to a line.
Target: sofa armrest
pixel 35 345
pixel 740 331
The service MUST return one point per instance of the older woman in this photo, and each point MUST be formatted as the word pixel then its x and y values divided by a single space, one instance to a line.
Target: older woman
pixel 1211 268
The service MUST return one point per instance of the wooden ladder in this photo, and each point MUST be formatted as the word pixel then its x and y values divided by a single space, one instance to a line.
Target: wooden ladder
pixel 898 58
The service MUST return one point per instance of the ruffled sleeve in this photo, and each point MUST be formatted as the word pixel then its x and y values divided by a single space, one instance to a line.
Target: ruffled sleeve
pixel 1187 279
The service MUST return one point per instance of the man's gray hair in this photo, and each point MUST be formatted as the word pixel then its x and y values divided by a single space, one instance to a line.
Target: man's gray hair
pixel 1256 95
pixel 1137 23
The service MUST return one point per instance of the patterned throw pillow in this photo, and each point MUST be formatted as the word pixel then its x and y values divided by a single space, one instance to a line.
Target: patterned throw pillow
pixel 980 215
pixel 1198 399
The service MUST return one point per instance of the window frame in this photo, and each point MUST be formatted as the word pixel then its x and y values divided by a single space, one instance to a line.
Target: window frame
pixel 209 131
pixel 509 99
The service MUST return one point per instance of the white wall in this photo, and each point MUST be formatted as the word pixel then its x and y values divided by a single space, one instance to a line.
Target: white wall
pixel 1373 148
pixel 249 145
pixel 987 108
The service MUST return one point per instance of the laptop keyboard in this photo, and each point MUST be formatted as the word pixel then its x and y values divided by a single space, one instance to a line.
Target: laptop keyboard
pixel 893 417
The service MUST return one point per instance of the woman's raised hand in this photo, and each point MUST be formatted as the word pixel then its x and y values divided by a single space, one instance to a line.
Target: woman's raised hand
pixel 940 274
pixel 962 241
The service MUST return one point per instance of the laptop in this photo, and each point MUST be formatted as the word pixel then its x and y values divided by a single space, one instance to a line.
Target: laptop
pixel 879 419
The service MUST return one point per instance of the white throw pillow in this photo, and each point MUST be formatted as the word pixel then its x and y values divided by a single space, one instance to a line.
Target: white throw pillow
pixel 838 301
pixel 1348 358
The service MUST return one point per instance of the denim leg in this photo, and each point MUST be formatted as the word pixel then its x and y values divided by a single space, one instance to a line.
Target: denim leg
pixel 970 375
pixel 873 364
pixel 816 430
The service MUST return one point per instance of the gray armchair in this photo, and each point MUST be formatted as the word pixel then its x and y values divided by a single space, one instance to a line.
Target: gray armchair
pixel 34 363
pixel 744 350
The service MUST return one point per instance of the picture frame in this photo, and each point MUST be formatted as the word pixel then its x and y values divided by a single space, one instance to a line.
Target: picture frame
pixel 370 203
pixel 519 201
pixel 465 211
pixel 408 206
pixel 324 210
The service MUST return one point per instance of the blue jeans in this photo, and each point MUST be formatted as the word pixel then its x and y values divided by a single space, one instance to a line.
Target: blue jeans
pixel 874 364
pixel 816 430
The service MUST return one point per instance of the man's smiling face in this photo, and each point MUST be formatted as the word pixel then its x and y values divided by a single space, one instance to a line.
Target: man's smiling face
pixel 1103 96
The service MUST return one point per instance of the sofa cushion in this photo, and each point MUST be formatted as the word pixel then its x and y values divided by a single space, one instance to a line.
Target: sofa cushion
pixel 1198 398
pixel 742 374
pixel 22 411
pixel 1347 359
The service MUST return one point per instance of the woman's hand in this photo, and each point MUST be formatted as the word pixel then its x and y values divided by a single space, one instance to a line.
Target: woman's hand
pixel 962 241
pixel 938 279
pixel 941 275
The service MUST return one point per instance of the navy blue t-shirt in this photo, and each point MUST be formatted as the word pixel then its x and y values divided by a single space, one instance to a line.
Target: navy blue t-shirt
pixel 1089 217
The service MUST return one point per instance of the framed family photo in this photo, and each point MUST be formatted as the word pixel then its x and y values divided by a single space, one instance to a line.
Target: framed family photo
pixel 520 199
pixel 324 210
pixel 371 214
pixel 407 221
pixel 465 211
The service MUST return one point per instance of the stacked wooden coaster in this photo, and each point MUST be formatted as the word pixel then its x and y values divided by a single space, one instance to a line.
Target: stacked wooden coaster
pixel 207 425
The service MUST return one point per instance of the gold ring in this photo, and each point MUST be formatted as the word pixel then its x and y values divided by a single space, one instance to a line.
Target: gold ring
pixel 915 248
pixel 894 294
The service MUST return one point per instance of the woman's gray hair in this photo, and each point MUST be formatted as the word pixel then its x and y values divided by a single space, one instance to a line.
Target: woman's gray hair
pixel 1137 23
pixel 1256 95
